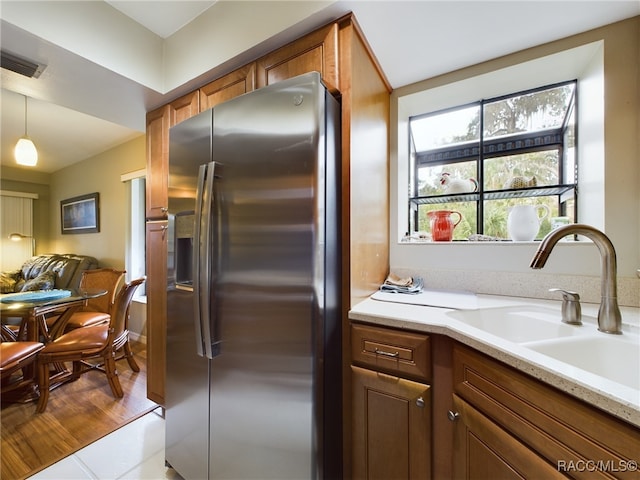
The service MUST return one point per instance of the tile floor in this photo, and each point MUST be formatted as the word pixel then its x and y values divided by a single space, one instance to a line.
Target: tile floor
pixel 133 452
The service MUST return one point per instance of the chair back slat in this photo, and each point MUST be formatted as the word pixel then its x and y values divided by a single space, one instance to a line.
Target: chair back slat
pixel 103 278
pixel 120 314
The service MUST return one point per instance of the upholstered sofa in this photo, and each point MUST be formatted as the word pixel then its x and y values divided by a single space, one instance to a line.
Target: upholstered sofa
pixel 45 272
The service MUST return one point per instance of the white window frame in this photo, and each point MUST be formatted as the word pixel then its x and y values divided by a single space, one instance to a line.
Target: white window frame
pixel 135 251
pixel 585 63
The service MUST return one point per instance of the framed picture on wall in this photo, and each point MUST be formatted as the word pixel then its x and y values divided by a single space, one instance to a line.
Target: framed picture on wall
pixel 80 214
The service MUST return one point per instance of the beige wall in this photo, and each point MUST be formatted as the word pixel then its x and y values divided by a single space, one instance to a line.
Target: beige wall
pixel 97 174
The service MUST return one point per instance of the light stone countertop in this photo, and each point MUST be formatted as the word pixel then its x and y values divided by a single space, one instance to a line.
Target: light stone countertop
pixel 617 399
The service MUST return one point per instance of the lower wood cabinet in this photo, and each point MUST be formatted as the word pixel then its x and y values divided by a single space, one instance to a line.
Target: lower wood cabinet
pixel 391 404
pixel 156 238
pixel 482 450
pixel 391 427
pixel 510 425
pixel 426 406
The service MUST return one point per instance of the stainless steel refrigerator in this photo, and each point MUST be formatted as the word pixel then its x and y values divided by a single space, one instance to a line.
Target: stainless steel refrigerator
pixel 253 384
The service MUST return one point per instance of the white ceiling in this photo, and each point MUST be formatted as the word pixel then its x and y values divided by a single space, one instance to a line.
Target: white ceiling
pixel 84 103
pixel 163 18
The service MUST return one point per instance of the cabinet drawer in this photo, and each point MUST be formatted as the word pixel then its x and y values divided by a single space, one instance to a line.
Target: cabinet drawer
pixel 392 351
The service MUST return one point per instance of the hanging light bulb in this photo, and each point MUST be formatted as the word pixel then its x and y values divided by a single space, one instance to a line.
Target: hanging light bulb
pixel 25 151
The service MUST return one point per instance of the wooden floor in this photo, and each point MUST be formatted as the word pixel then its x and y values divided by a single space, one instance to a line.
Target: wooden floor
pixel 78 413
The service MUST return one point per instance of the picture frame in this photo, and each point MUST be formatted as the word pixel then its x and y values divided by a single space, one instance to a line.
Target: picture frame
pixel 80 214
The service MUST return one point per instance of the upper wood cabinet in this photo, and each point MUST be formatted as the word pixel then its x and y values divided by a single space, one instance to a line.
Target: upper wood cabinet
pixel 184 107
pixel 158 123
pixel 230 86
pixel 317 51
pixel 157 172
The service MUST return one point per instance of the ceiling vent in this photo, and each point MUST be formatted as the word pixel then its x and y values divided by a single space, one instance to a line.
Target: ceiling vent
pixel 20 65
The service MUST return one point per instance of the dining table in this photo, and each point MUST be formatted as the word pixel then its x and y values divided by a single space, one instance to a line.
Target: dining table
pixel 39 316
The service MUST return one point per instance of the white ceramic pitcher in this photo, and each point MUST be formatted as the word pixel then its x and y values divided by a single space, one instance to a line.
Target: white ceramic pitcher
pixel 523 222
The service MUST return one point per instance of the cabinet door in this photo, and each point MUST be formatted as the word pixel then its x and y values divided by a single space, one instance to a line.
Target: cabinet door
pixel 391 427
pixel 156 238
pixel 317 51
pixel 230 86
pixel 158 123
pixel 482 450
pixel 157 174
pixel 184 107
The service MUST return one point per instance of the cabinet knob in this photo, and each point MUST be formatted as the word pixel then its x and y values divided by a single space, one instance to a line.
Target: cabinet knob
pixel 420 402
pixel 453 416
pixel 164 209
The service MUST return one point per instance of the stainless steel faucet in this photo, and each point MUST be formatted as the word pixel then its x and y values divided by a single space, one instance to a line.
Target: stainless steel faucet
pixel 609 317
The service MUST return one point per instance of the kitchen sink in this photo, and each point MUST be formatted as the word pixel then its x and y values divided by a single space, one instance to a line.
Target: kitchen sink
pixel 519 324
pixel 611 356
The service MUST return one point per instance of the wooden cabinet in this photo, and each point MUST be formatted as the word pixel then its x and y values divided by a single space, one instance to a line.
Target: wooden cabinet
pixel 392 351
pixel 317 51
pixel 391 415
pixel 341 55
pixel 156 241
pixel 508 422
pixel 485 451
pixel 230 86
pixel 184 107
pixel 157 176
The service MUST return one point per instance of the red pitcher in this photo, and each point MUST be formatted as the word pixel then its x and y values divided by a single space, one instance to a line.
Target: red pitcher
pixel 441 224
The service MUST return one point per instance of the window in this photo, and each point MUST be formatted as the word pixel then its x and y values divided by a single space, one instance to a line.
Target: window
pixel 482 158
pixel 136 248
pixel 16 216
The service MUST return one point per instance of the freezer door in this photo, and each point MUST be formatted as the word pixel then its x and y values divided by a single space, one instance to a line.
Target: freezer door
pixel 187 373
pixel 270 282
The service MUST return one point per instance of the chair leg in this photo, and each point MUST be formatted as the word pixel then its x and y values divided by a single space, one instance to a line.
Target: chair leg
pixel 43 386
pixel 112 375
pixel 78 369
pixel 129 356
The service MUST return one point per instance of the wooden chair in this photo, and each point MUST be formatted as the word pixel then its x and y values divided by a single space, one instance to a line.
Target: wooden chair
pixel 16 356
pixel 94 342
pixel 97 310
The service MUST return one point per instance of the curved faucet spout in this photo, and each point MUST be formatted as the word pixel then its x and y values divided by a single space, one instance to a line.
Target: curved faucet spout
pixel 609 317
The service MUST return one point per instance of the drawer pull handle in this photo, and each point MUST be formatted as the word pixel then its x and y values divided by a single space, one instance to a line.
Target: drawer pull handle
pixel 387 354
pixel 453 416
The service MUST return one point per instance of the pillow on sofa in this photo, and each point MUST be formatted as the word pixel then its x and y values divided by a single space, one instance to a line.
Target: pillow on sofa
pixel 8 281
pixel 44 281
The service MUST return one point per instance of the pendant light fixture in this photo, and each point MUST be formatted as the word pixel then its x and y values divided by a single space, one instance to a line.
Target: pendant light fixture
pixel 25 151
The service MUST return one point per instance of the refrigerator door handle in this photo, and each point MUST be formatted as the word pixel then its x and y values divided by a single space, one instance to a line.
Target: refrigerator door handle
pixel 202 267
